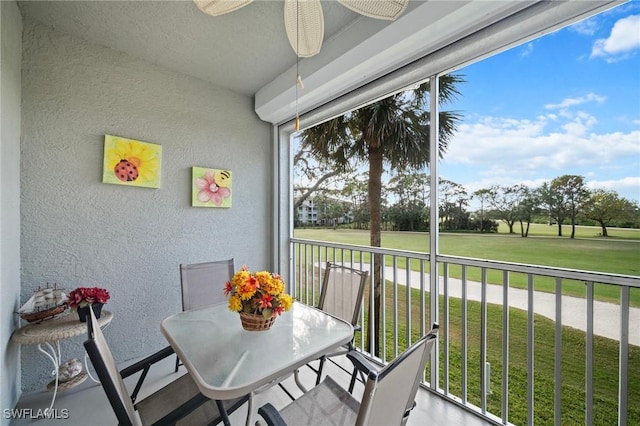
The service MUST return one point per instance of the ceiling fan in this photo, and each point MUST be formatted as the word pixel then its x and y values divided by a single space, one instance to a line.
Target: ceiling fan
pixel 304 21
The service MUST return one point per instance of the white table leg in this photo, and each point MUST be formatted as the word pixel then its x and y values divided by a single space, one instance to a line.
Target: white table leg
pixel 54 356
pixel 249 409
pixel 296 377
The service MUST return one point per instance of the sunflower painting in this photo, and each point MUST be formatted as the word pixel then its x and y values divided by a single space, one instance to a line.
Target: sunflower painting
pixel 130 162
pixel 211 187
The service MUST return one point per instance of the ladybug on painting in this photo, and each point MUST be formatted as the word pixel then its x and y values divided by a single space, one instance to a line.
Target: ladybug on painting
pixel 126 171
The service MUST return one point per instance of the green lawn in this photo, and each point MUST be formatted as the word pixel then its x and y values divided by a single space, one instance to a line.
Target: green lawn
pixel 617 255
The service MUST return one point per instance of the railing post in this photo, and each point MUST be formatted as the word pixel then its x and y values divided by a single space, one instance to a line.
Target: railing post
pixel 530 350
pixel 623 368
pixel 463 343
pixel 558 356
pixel 483 341
pixel 589 356
pixel 445 329
pixel 505 347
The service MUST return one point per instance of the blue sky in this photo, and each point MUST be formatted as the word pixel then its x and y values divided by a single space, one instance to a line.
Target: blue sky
pixel 566 103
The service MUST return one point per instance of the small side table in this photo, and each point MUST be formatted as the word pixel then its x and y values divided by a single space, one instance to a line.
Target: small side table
pixel 49 333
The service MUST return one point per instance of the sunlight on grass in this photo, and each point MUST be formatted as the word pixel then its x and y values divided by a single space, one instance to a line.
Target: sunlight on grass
pixel 610 255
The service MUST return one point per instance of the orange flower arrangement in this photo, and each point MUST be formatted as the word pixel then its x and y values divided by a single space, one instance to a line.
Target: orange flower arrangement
pixel 261 293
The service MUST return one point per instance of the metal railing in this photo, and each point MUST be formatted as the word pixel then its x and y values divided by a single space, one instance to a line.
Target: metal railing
pixel 489 314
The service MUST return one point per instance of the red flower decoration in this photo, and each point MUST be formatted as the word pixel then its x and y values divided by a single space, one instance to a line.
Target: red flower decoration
pixel 265 301
pixel 82 296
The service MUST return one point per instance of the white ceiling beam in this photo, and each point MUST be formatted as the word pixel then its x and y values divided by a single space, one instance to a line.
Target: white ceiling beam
pixel 424 41
pixel 369 49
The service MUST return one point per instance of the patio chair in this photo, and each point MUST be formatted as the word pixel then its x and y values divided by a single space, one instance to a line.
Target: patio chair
pixel 179 402
pixel 341 296
pixel 388 396
pixel 203 285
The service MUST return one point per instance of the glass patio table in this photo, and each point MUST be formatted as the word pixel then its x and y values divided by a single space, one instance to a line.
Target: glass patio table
pixel 227 361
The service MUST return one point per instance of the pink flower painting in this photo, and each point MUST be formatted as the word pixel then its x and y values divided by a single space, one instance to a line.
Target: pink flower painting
pixel 211 188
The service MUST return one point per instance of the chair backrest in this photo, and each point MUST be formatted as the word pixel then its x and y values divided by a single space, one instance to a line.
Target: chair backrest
pixel 203 283
pixel 108 373
pixel 342 290
pixel 390 393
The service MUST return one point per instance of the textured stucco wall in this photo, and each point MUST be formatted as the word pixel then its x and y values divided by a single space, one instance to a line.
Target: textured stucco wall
pixel 10 53
pixel 77 231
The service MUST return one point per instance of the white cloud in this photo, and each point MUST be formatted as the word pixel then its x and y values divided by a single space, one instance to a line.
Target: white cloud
pixel 570 102
pixel 631 183
pixel 627 187
pixel 586 27
pixel 526 50
pixel 623 40
pixel 503 146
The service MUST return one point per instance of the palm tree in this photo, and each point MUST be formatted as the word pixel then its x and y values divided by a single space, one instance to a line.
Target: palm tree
pixel 395 131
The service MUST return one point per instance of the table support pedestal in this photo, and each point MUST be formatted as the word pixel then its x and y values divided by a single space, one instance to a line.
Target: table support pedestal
pixel 54 355
pixel 47 335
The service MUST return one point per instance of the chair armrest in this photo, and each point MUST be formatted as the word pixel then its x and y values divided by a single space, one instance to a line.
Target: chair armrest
pixel 361 363
pixel 148 361
pixel 144 365
pixel 271 415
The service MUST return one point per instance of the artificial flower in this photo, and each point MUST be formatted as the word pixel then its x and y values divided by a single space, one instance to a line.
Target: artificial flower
pixel 83 296
pixel 260 293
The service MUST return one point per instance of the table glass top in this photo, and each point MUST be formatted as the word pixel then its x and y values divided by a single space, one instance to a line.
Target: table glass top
pixel 227 361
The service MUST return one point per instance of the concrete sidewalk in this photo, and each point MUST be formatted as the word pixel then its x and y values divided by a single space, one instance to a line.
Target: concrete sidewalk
pixel 574 310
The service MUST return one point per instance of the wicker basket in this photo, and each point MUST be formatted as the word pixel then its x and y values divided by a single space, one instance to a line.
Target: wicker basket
pixel 254 322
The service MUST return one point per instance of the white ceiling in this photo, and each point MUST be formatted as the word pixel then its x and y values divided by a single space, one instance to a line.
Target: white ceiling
pixel 242 50
pixel 247 50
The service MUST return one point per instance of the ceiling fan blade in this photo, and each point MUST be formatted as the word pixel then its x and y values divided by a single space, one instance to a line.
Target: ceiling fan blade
pixel 306 30
pixel 220 7
pixel 379 9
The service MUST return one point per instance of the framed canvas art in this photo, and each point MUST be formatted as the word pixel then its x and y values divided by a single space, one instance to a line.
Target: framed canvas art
pixel 210 187
pixel 131 162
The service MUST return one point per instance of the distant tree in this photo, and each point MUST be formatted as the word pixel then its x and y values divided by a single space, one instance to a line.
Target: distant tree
pixel 504 201
pixel 483 196
pixel 408 217
pixel 355 189
pixel 525 210
pixel 313 176
pixel 571 191
pixel 606 206
pixel 410 188
pixel 552 201
pixel 453 199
